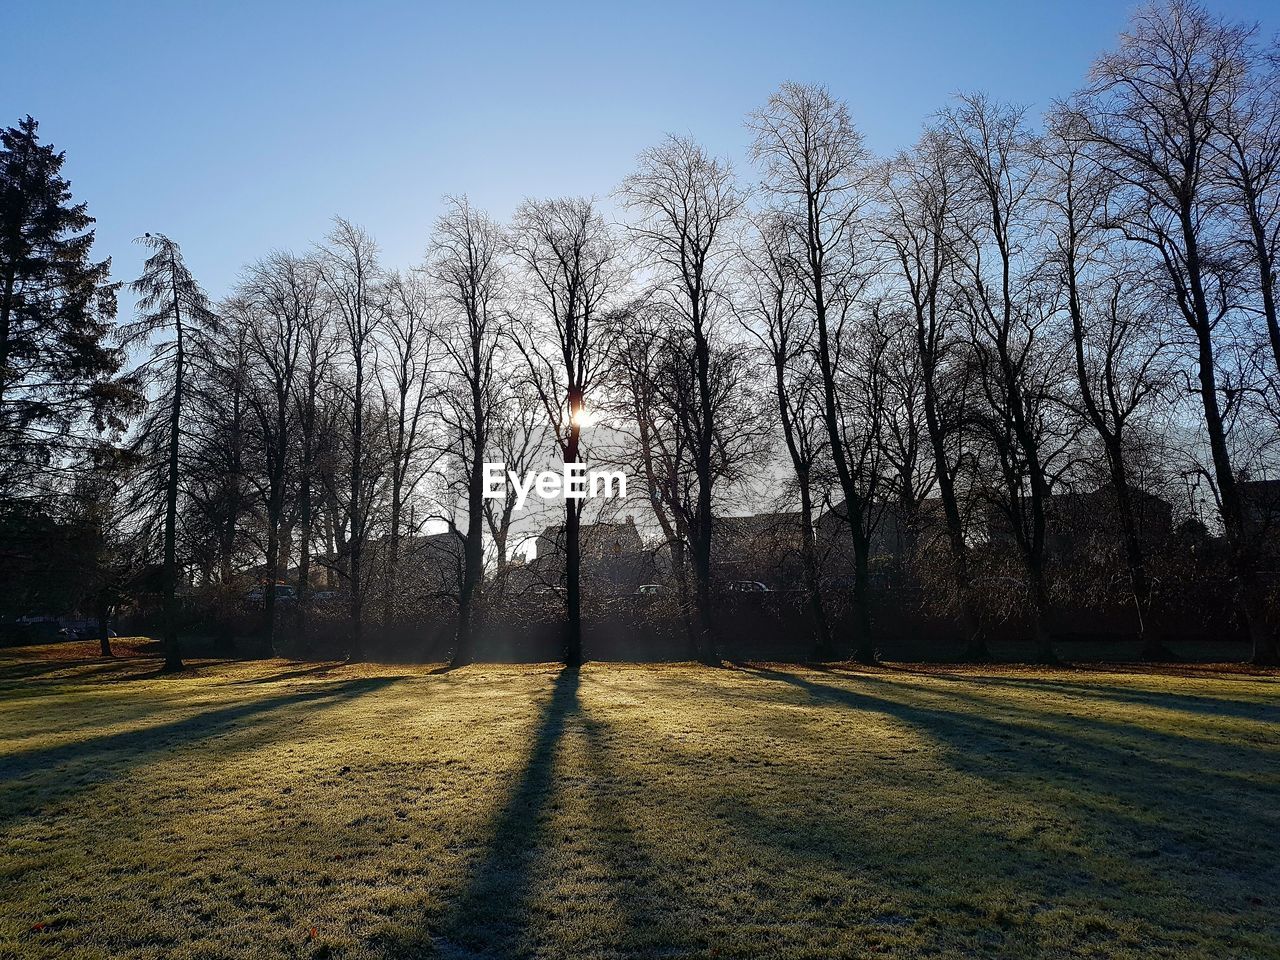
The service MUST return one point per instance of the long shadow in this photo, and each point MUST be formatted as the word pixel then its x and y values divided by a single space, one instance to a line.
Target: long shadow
pixel 1162 805
pixel 20 671
pixel 317 670
pixel 1189 702
pixel 651 905
pixel 1116 738
pixel 1213 706
pixel 1129 755
pixel 189 669
pixel 1122 743
pixel 492 912
pixel 39 770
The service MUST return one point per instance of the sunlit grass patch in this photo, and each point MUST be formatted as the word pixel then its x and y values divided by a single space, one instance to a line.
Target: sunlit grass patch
pixel 282 809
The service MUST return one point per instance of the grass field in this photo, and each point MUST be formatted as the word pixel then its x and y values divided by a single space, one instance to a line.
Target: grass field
pixel 279 809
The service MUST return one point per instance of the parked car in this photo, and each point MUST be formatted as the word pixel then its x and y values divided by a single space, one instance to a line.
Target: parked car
pixel 83 630
pixel 648 589
pixel 746 586
pixel 284 593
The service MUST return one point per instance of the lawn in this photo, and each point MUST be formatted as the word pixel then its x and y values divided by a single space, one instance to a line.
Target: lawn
pixel 280 809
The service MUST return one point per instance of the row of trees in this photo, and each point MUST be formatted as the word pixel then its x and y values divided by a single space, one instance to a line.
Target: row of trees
pixel 1000 313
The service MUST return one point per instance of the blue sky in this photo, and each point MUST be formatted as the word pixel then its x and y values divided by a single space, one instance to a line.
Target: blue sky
pixel 238 128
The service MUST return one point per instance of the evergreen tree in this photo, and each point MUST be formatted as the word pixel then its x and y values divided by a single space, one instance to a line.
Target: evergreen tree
pixel 57 306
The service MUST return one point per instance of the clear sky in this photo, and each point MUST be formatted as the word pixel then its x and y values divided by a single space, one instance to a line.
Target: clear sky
pixel 237 128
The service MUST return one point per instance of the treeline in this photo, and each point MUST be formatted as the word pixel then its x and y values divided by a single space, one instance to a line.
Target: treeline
pixel 962 332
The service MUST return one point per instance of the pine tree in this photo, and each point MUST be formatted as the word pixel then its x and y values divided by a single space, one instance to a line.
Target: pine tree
pixel 57 306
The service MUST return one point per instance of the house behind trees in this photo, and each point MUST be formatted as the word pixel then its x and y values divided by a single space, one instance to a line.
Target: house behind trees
pixel 427 572
pixel 614 559
pixel 767 547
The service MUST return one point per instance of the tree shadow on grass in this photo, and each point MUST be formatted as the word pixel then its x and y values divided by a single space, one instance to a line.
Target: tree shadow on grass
pixel 1128 792
pixel 647 904
pixel 494 914
pixel 1192 703
pixel 984 733
pixel 29 778
pixel 158 671
pixel 60 671
pixel 491 915
pixel 1121 741
pixel 1118 740
pixel 298 673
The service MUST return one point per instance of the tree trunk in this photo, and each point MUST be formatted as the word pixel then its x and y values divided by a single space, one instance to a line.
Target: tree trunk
pixel 392 562
pixel 304 558
pixel 1041 632
pixel 472 570
pixel 680 569
pixel 172 653
pixel 703 527
pixel 1033 546
pixel 864 650
pixel 573 544
pixel 355 650
pixel 1252 604
pixel 573 585
pixel 1149 642
pixel 1042 608
pixel 823 647
pixel 704 637
pixel 273 574
pixel 464 644
pixel 473 547
pixel 1266 267
pixel 104 627
pixel 970 621
pixel 863 641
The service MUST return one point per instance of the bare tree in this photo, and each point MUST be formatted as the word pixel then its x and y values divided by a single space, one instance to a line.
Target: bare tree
pixel 409 391
pixel 312 372
pixel 466 264
pixel 814 164
pixel 909 469
pixel 274 303
pixel 922 195
pixel 649 430
pixel 571 274
pixel 218 451
pixel 1248 162
pixel 1119 355
pixel 1008 313
pixel 349 269
pixel 1156 109
pixel 687 204
pixel 776 312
